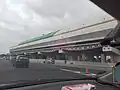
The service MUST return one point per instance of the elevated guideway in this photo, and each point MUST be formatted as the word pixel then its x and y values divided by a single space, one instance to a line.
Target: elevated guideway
pixel 83 35
pixel 85 43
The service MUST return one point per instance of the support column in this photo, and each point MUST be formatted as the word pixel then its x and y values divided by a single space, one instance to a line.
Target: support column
pixel 103 58
pixel 83 57
pixel 78 58
pixel 71 58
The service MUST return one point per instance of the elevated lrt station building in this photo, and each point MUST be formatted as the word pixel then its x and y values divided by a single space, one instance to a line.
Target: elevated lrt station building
pixel 97 42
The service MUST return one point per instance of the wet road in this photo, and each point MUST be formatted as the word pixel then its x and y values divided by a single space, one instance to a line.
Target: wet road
pixel 9 74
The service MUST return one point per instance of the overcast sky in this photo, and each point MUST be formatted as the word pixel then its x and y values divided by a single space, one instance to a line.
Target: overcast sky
pixel 24 19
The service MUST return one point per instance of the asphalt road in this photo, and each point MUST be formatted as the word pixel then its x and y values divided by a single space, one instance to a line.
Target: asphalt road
pixel 9 74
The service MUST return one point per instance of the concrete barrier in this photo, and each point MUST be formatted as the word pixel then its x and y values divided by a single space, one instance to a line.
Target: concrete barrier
pixel 37 60
pixel 79 64
pixel 90 65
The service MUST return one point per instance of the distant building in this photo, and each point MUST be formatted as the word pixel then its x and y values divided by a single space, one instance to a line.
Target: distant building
pixel 84 43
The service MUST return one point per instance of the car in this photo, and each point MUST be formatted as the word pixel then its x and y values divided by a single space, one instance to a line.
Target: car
pixel 21 61
pixel 49 61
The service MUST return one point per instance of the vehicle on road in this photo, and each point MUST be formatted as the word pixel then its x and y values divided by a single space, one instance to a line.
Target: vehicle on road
pixel 75 47
pixel 7 58
pixel 20 61
pixel 49 61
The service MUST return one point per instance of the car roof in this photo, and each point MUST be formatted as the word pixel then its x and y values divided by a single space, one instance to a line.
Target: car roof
pixel 110 6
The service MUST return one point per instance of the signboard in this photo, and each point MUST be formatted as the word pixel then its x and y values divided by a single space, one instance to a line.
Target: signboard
pixel 106 49
pixel 61 51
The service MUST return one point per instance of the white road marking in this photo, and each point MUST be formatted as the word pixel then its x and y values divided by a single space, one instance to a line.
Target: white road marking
pixel 70 71
pixel 90 74
pixel 78 72
pixel 106 75
pixel 110 64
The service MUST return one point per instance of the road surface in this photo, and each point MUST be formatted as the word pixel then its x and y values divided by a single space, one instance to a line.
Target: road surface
pixel 9 74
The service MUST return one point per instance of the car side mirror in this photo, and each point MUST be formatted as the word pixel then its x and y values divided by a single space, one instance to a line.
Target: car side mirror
pixel 116 73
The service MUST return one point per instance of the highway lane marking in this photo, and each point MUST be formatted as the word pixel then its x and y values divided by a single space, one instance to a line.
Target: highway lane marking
pixel 90 74
pixel 106 75
pixel 70 71
pixel 78 72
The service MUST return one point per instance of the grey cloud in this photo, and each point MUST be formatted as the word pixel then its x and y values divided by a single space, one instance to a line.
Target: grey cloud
pixel 80 11
pixel 42 16
pixel 58 8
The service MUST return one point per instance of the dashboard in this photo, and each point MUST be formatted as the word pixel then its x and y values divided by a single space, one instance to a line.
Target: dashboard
pixel 59 85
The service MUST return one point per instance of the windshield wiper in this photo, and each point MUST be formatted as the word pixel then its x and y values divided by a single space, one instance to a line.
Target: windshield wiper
pixel 46 81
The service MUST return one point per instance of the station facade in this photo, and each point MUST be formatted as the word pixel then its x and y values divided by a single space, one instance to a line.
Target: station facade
pixel 90 43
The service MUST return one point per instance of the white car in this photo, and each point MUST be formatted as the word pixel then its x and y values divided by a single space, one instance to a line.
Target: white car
pixel 47 61
pixel 79 87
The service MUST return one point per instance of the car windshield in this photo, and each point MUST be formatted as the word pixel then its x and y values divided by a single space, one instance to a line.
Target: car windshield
pixel 59 38
pixel 21 57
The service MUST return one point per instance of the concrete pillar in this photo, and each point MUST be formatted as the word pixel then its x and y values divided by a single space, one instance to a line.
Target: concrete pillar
pixel 57 57
pixel 71 58
pixel 112 58
pixel 66 57
pixel 74 57
pixel 78 58
pixel 83 57
pixel 103 58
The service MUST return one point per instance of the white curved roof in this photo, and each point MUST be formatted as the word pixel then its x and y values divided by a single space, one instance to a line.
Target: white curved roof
pixel 100 26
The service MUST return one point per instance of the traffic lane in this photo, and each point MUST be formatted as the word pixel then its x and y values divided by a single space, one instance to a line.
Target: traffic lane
pixel 5 65
pixel 68 69
pixel 35 71
pixel 59 85
pixel 83 69
pixel 109 77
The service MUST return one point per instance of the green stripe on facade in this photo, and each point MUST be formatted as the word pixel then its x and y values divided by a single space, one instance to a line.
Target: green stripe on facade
pixel 44 36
